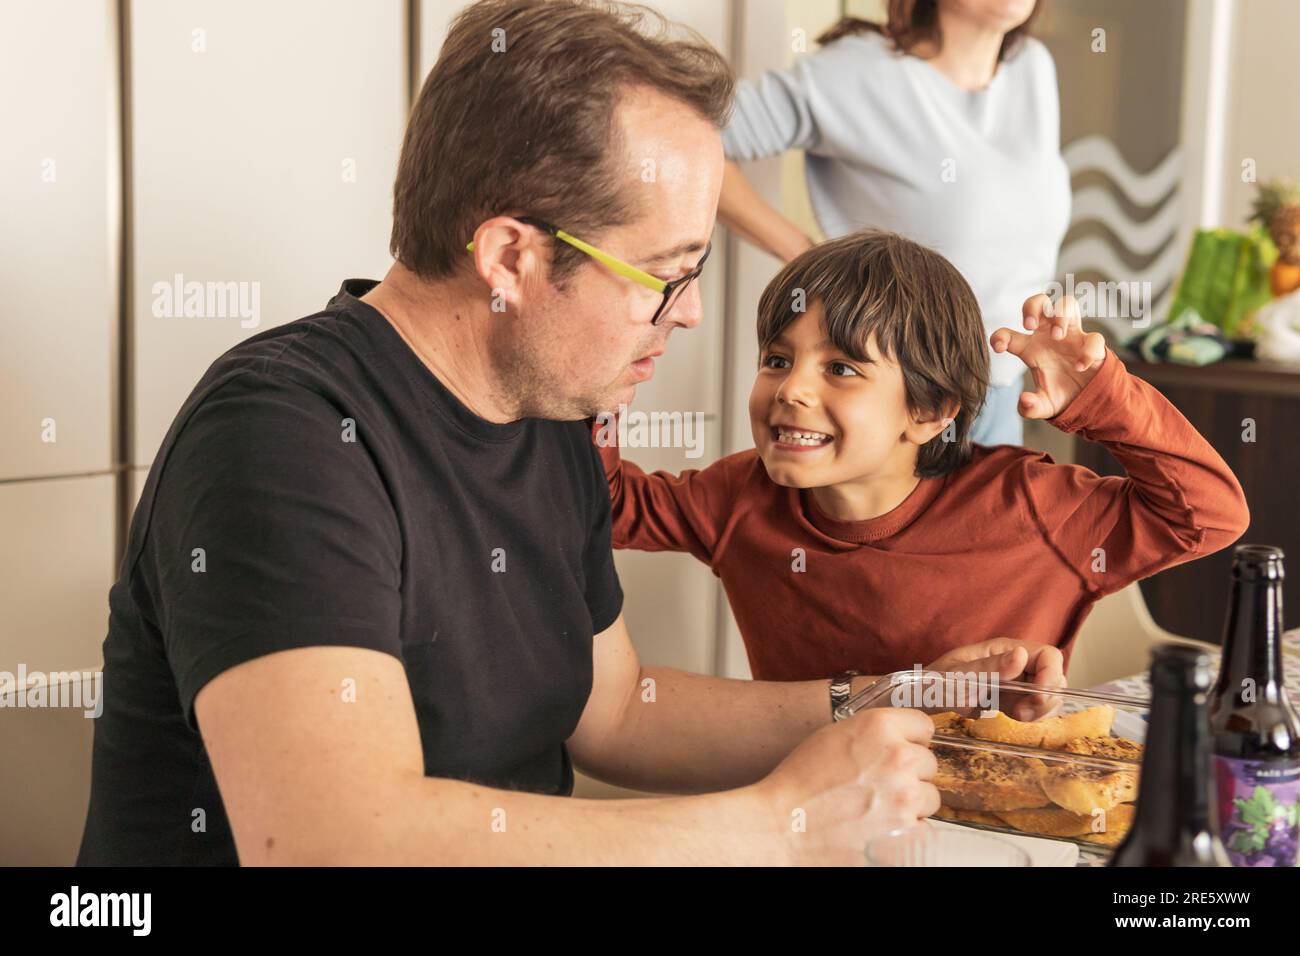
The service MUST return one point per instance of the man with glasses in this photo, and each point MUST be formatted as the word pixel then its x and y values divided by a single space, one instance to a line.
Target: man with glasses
pixel 368 611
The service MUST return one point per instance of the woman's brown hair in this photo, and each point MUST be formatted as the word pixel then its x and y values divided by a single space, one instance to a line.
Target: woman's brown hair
pixel 923 314
pixel 518 117
pixel 909 22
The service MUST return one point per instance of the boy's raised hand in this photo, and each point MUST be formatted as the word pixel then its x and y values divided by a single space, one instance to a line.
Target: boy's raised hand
pixel 1062 357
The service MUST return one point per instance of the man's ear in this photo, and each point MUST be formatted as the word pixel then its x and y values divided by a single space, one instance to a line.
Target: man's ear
pixel 509 257
pixel 924 426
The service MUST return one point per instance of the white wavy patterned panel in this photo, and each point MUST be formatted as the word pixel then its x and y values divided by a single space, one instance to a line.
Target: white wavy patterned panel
pixel 1139 237
pixel 1098 153
pixel 1153 236
pixel 1091 254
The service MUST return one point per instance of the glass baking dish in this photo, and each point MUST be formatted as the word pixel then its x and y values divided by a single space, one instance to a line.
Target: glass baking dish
pixel 1060 764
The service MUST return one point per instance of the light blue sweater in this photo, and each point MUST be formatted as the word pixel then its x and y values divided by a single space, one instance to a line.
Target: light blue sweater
pixel 891 142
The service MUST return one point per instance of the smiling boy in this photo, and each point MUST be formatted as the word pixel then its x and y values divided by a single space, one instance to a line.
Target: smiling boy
pixel 865 532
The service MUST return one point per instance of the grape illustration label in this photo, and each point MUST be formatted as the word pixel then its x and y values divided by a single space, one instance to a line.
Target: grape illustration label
pixel 1259 811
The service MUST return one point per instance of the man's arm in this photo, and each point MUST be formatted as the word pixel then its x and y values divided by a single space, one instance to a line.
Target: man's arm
pixel 668 731
pixel 310 779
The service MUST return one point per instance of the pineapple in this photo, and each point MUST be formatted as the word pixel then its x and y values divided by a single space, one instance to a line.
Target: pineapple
pixel 1277 208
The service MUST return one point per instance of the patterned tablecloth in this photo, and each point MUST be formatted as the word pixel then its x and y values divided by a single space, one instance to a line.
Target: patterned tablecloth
pixel 1139 686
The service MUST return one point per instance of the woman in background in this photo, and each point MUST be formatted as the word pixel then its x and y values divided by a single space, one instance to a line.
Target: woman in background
pixel 942 125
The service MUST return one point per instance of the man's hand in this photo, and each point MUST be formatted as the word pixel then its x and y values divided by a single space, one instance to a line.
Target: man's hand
pixel 852 781
pixel 1025 661
pixel 1062 357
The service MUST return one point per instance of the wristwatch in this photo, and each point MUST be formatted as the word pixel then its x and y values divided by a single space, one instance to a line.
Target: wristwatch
pixel 841 688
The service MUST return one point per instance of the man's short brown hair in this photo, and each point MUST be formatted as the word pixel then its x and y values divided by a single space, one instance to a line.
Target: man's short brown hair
pixel 923 315
pixel 518 117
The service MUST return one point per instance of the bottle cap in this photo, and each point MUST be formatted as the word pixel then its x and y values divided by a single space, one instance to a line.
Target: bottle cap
pixel 1257 562
pixel 1176 667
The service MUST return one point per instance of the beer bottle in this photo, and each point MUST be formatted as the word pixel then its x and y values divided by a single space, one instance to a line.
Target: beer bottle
pixel 1175 823
pixel 1254 725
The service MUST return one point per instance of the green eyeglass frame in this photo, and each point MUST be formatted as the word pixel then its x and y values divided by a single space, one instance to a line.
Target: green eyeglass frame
pixel 670 290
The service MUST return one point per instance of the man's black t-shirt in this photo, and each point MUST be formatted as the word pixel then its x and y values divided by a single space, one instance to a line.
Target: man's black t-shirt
pixel 321 486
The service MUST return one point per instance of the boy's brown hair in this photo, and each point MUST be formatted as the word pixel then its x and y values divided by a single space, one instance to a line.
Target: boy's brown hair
pixel 518 117
pixel 922 312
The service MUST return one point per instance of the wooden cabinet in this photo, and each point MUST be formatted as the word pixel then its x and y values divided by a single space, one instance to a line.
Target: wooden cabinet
pixel 1250 413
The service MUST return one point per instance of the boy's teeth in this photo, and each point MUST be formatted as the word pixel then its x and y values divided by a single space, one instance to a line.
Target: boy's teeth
pixel 789 437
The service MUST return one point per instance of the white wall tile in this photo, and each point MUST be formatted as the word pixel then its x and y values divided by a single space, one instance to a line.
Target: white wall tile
pixel 56 568
pixel 59 210
pixel 249 119
pixel 46 785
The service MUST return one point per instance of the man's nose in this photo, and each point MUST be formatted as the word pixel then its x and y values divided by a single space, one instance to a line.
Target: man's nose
pixel 687 309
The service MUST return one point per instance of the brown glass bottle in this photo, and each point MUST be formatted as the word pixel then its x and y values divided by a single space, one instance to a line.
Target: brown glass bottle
pixel 1254 725
pixel 1175 820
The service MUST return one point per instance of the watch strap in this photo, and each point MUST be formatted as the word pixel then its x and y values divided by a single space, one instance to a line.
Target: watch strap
pixel 841 691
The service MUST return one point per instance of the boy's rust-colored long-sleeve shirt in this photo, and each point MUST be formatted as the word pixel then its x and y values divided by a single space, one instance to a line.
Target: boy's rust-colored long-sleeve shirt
pixel 1011 544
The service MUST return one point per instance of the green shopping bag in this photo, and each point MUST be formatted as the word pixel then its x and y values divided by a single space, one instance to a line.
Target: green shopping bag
pixel 1226 279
